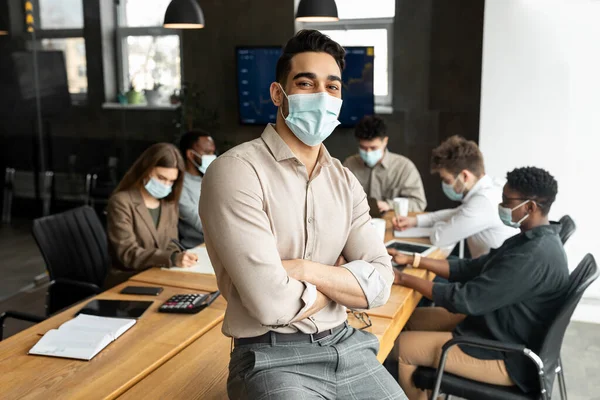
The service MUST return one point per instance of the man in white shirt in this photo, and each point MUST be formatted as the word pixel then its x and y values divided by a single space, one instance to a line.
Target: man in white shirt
pixel 459 163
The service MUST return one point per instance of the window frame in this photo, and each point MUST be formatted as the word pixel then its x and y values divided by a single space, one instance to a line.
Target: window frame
pixel 66 33
pixel 358 24
pixel 121 34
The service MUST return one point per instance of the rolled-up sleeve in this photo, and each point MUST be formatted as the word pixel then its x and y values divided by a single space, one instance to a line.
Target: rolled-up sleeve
pixel 238 233
pixel 368 259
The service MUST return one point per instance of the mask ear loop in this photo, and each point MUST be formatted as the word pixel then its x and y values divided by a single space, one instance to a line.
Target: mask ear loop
pixel 193 161
pixel 287 98
pixel 521 205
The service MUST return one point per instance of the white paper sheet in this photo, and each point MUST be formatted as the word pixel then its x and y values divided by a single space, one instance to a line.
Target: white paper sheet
pixel 203 266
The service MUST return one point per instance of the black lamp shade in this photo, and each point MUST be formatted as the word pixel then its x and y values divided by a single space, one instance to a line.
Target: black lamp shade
pixel 184 14
pixel 317 11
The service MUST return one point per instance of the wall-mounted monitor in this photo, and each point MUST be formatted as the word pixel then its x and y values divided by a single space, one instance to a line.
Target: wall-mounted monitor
pixel 256 72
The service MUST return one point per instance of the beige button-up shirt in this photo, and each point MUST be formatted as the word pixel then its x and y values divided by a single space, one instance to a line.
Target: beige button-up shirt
pixel 259 207
pixel 394 176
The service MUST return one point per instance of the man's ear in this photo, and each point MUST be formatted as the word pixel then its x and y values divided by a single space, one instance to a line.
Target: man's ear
pixel 276 94
pixel 532 207
pixel 189 154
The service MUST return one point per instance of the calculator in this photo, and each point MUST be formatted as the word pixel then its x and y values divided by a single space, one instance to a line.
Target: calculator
pixel 188 303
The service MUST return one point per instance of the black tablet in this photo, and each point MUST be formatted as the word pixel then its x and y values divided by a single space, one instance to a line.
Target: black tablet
pixel 409 248
pixel 116 308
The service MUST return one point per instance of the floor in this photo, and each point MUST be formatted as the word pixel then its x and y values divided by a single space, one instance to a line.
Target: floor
pixel 23 288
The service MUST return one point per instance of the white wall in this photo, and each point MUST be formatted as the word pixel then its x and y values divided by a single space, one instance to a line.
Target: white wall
pixel 540 104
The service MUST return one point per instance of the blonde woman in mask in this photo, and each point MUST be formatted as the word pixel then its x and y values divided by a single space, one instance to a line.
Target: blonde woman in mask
pixel 143 213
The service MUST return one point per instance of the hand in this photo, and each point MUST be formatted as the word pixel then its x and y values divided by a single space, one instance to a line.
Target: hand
pixel 403 223
pixel 185 259
pixel 383 206
pixel 399 257
pixel 295 268
pixel 398 277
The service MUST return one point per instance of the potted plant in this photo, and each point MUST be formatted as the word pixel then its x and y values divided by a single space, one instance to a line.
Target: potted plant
pixel 153 96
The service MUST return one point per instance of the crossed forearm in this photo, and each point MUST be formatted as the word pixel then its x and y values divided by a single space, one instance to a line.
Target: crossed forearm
pixel 337 283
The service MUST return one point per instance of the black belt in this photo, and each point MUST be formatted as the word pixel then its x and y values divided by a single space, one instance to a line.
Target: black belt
pixel 275 337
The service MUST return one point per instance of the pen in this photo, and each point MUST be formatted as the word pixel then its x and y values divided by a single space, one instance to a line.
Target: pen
pixel 178 244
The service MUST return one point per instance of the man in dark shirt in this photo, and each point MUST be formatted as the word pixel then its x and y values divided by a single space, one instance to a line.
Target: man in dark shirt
pixel 510 295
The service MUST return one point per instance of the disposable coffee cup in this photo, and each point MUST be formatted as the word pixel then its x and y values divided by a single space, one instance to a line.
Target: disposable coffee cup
pixel 401 206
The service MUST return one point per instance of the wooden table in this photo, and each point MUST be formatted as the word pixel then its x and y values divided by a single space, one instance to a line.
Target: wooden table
pixel 153 340
pixel 163 355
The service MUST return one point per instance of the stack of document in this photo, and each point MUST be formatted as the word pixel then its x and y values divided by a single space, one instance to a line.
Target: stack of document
pixel 203 266
pixel 82 337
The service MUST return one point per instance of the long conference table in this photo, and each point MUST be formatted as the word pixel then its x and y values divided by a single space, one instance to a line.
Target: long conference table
pixel 164 356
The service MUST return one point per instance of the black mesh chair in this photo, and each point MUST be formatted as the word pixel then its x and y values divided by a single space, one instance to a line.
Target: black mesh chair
pixel 547 362
pixel 567 228
pixel 75 249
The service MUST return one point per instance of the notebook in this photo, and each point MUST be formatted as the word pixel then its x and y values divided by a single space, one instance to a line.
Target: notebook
pixel 203 266
pixel 82 337
pixel 414 233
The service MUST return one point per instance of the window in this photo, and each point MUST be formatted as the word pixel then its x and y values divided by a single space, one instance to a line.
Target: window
pixel 149 55
pixel 74 49
pixel 365 24
pixel 60 27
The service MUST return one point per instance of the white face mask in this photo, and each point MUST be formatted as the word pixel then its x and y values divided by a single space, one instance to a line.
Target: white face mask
pixel 371 158
pixel 312 117
pixel 506 215
pixel 207 159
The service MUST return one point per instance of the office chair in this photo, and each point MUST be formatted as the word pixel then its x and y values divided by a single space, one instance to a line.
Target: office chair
pixel 547 362
pixel 567 228
pixel 75 249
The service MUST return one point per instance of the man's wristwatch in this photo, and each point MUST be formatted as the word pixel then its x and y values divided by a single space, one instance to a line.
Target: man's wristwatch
pixel 416 260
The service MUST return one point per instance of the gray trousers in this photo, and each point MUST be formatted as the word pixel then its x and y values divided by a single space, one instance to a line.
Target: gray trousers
pixel 341 366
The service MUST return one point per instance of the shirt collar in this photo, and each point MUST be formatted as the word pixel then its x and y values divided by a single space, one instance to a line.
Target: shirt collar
pixel 543 230
pixel 483 182
pixel 281 150
pixel 385 160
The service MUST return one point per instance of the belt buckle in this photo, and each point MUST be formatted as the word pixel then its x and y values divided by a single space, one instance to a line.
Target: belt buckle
pixel 312 337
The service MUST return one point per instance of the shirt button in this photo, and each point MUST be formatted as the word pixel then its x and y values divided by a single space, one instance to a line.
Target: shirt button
pixel 310 220
pixel 308 255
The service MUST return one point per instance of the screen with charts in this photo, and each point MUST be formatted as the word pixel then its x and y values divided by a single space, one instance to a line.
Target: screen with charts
pixel 256 72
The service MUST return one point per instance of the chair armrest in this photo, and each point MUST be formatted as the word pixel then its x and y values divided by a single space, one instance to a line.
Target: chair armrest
pixel 483 343
pixel 83 285
pixel 17 315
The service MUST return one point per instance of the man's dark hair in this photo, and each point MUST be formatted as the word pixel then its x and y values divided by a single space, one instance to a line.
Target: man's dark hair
pixel 370 127
pixel 456 154
pixel 305 41
pixel 534 183
pixel 189 138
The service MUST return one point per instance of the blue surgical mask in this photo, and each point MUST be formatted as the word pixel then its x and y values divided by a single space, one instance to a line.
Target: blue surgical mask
pixel 156 189
pixel 207 159
pixel 506 215
pixel 371 158
pixel 312 117
pixel 450 192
